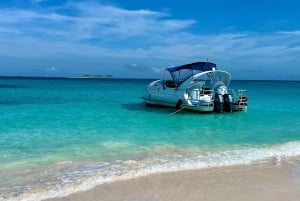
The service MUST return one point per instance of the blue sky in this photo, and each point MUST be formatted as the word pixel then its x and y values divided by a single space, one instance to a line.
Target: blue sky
pixel 256 39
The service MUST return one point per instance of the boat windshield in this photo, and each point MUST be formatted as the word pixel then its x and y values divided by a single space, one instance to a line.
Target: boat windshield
pixel 181 75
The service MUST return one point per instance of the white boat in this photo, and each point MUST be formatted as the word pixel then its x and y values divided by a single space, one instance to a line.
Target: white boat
pixel 196 86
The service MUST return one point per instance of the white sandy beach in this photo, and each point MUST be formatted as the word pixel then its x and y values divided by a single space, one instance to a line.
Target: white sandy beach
pixel 268 181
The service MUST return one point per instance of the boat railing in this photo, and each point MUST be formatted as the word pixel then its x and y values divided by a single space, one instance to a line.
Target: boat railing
pixel 241 93
pixel 233 93
pixel 240 98
pixel 170 84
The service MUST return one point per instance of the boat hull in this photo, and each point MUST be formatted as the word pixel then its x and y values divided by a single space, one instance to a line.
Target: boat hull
pixel 200 108
pixel 203 108
pixel 157 94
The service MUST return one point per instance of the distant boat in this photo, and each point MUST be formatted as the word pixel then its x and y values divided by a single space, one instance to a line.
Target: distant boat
pixel 196 86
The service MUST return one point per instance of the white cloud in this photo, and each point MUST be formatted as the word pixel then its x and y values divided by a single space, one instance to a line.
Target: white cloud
pixel 157 69
pixel 37 1
pixel 94 27
pixel 290 33
pixel 92 30
pixel 90 22
pixel 51 69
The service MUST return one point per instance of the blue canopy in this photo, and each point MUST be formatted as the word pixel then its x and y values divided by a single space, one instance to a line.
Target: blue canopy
pixel 202 66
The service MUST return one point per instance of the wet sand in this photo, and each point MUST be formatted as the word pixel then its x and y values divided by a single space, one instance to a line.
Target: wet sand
pixel 269 181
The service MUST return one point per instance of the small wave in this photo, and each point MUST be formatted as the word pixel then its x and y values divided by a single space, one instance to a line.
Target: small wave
pixel 73 177
pixel 112 144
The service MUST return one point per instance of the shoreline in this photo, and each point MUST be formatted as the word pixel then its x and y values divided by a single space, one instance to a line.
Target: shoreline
pixel 65 179
pixel 272 180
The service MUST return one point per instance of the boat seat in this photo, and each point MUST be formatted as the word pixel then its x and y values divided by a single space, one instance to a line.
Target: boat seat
pixel 170 83
pixel 206 90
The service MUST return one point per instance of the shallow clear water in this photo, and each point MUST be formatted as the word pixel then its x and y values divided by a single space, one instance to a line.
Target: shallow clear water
pixel 58 136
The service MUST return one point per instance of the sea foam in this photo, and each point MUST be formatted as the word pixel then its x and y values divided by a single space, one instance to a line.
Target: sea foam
pixel 72 177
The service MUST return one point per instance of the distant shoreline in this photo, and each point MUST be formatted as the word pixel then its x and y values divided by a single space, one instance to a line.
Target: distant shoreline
pixel 70 78
pixel 48 77
pixel 95 76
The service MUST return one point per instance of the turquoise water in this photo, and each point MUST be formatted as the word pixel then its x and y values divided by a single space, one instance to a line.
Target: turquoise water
pixel 58 136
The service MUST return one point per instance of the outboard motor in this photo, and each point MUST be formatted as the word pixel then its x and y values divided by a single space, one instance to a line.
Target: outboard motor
pixel 228 102
pixel 218 103
pixel 221 90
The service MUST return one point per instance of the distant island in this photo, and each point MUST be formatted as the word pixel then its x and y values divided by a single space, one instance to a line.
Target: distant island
pixel 96 76
pixel 46 77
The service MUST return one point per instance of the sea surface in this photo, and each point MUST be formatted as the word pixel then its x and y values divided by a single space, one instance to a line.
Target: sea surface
pixel 60 136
